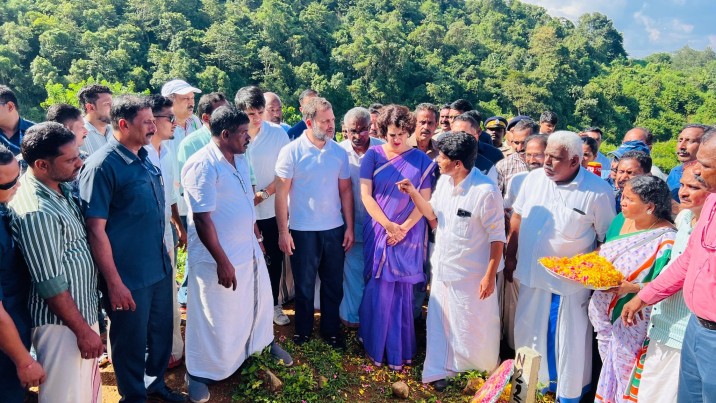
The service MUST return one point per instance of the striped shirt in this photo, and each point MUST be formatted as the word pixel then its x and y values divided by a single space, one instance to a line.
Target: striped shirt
pixel 670 316
pixel 51 233
pixel 95 140
pixel 507 168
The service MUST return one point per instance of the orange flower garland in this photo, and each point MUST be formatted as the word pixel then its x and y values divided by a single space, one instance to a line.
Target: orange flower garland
pixel 590 269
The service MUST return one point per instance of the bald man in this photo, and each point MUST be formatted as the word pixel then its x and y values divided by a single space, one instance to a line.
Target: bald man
pixel 644 135
pixel 273 112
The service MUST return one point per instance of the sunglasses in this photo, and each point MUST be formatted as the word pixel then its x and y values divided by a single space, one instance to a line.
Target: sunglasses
pixel 170 118
pixel 9 185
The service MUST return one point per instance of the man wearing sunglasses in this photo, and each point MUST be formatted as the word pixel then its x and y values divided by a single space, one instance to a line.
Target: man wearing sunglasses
pixel 18 369
pixel 693 272
pixel 12 126
pixel 161 156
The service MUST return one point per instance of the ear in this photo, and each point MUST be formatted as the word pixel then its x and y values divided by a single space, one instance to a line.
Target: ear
pixel 41 165
pixel 123 124
pixel 205 117
pixel 89 107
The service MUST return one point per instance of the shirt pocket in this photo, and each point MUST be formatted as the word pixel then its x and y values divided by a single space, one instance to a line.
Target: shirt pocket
pixel 569 223
pixel 460 226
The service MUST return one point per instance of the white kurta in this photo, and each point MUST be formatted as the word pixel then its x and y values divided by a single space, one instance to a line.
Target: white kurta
pixel 224 327
pixel 551 315
pixel 463 331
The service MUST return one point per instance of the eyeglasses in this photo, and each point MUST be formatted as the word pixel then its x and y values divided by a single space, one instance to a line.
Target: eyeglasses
pixel 704 244
pixel 358 132
pixel 9 185
pixel 170 118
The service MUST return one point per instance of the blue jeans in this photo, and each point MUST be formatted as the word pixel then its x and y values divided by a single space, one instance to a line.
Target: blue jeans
pixel 697 377
pixel 318 252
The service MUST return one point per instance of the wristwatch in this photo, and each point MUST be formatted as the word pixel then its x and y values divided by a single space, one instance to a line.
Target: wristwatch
pixel 260 239
pixel 264 194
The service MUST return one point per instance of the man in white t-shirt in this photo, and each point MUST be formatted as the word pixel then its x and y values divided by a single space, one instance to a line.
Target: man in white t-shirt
pixel 314 173
pixel 561 210
pixel 267 140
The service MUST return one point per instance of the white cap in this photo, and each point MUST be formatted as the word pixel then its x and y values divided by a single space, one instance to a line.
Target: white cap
pixel 180 87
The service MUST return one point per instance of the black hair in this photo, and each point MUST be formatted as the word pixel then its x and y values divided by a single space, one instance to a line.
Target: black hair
pixel 548 117
pixel 126 107
pixel 475 115
pixel 158 102
pixel 641 157
pixel 526 124
pixel 462 105
pixel 651 189
pixel 375 108
pixel 6 156
pixel 251 97
pixel 89 94
pixel 459 146
pixel 426 106
pixel 445 106
pixel 7 95
pixel 307 93
pixel 466 117
pixel 62 113
pixel 208 101
pixel 594 129
pixel 228 118
pixel 593 146
pixel 541 138
pixel 43 141
pixel 395 115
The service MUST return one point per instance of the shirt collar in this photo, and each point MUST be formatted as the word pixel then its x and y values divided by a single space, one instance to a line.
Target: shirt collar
pixel 125 153
pixel 577 179
pixel 45 191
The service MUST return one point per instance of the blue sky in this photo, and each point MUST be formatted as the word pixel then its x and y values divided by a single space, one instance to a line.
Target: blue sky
pixel 648 26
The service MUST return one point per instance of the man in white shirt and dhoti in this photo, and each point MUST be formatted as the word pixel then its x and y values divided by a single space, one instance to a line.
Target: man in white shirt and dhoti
pixel 463 324
pixel 229 312
pixel 561 210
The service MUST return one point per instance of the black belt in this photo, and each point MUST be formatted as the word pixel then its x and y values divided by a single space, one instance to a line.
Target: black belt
pixel 708 324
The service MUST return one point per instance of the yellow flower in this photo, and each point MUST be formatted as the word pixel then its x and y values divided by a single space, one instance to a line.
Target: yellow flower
pixel 590 269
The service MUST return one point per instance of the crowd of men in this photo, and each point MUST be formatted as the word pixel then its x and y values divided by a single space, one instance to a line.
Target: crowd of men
pixel 95 202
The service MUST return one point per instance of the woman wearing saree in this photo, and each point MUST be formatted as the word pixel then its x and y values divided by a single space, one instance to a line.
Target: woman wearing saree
pixel 638 243
pixel 394 237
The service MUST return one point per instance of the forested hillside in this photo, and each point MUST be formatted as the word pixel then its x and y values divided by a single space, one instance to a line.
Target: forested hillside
pixel 505 56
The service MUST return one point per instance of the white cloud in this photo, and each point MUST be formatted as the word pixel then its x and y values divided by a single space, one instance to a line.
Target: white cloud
pixel 649 25
pixel 677 25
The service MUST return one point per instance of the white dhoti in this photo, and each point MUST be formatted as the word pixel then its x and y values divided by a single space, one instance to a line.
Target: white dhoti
pixel 353 285
pixel 558 328
pixel 70 378
pixel 224 327
pixel 177 341
pixel 463 331
pixel 660 377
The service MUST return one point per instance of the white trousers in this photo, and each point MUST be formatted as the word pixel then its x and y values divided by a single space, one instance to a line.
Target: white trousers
pixel 177 341
pixel 69 377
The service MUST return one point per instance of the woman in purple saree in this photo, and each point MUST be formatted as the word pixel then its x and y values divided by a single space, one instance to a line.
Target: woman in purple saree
pixel 395 237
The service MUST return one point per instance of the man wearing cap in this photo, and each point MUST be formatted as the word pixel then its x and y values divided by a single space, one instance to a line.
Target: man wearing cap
pixel 645 136
pixel 495 127
pixel 12 126
pixel 182 95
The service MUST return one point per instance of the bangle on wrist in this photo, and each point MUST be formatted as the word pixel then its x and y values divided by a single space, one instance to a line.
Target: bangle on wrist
pixel 260 239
